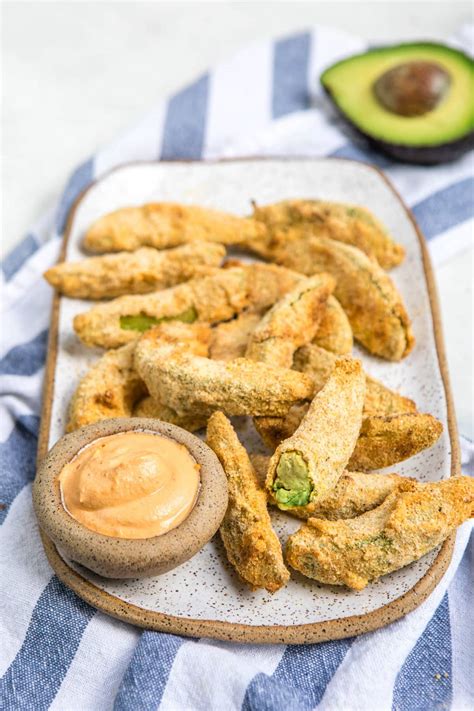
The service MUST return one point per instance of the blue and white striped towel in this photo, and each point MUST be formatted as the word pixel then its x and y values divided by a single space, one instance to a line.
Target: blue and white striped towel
pixel 58 652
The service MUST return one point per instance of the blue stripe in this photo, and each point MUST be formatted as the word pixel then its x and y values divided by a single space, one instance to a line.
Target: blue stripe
pixel 446 208
pixel 54 633
pixel 145 680
pixel 468 464
pixel 363 154
pixel 18 256
pixel 17 460
pixel 27 358
pixel 81 178
pixel 290 74
pixel 185 123
pixel 300 679
pixel 425 680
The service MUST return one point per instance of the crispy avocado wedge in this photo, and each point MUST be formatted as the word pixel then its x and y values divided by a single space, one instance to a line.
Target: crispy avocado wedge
pixel 307 465
pixel 414 101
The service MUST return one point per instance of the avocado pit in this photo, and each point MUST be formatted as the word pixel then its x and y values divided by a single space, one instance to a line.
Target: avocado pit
pixel 412 88
pixel 413 100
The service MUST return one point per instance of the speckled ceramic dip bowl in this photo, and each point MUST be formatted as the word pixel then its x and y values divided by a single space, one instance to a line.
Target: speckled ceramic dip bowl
pixel 121 557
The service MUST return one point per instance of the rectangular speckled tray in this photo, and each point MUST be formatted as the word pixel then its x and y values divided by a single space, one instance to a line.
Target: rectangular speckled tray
pixel 204 596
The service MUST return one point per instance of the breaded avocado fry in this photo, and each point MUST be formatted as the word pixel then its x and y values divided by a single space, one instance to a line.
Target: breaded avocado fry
pixel 147 407
pixel 134 272
pixel 251 544
pixel 315 361
pixel 178 338
pixel 384 441
pixel 112 387
pixel 109 389
pixel 412 521
pixel 210 299
pixel 274 430
pixel 307 465
pixel 318 363
pixel 379 400
pixel 354 494
pixel 291 322
pixel 334 331
pixel 230 339
pixel 268 283
pixel 192 384
pixel 351 224
pixel 369 297
pixel 163 225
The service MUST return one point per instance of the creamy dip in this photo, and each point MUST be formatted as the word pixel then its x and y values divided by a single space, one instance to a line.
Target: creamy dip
pixel 130 485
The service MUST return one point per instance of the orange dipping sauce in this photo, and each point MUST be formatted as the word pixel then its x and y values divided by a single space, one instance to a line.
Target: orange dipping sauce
pixel 130 485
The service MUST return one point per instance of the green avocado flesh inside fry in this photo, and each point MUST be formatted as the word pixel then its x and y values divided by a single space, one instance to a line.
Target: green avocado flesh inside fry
pixel 142 322
pixel 292 485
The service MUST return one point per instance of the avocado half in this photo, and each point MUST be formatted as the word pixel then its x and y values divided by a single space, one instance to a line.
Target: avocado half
pixel 413 101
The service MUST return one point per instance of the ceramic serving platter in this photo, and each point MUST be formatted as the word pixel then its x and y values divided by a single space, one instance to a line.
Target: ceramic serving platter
pixel 204 597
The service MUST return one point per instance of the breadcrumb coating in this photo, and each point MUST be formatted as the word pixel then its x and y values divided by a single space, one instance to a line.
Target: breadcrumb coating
pixel 334 331
pixel 369 297
pixel 210 299
pixel 137 272
pixel 194 384
pixel 354 494
pixel 350 224
pixel 163 225
pixel 291 322
pixel 412 521
pixel 112 387
pixel 109 389
pixel 327 434
pixel 384 441
pixel 379 400
pixel 230 339
pixel 251 544
pixel 147 407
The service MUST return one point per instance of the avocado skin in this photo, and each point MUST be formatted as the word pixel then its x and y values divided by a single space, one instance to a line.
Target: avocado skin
pixel 444 152
pixel 418 155
pixel 428 155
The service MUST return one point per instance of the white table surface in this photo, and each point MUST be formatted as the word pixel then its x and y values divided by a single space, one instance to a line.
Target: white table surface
pixel 75 74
